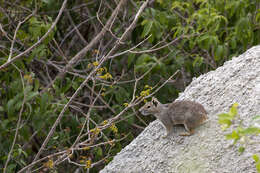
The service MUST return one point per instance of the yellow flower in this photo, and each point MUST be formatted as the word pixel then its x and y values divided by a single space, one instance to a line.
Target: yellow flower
pixel 95 63
pixel 147 86
pixel 89 65
pixel 145 93
pixel 81 161
pixel 100 70
pixel 95 131
pixel 86 148
pixel 106 76
pixel 49 164
pixel 105 122
pixel 114 128
pixel 88 164
pixel 83 157
pixel 126 104
pixel 28 78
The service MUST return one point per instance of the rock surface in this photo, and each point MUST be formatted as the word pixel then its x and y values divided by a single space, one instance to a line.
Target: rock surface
pixel 207 151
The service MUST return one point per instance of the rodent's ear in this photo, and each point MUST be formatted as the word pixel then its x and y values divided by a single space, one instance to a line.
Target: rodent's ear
pixel 155 101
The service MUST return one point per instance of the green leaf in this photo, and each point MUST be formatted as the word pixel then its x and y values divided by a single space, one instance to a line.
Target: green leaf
pixel 11 108
pixel 225 124
pixel 198 61
pixel 11 167
pixel 233 43
pixel 234 135
pixel 99 151
pixel 178 31
pixel 43 101
pixel 147 27
pixel 36 85
pixel 160 1
pixel 204 42
pixel 121 95
pixel 258 167
pixel 251 130
pixel 47 1
pixel 219 52
pixel 224 116
pixel 256 158
pixel 31 95
pixel 39 52
pixel 144 59
pixel 1 108
pixel 55 137
pixel 131 119
pixel 241 149
pixel 163 18
pixel 257 17
pixel 130 59
pixel 30 108
pixel 177 5
pixel 233 110
pixel 10 104
pixel 20 151
pixel 22 34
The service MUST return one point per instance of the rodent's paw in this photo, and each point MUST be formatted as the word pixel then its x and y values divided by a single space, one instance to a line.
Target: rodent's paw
pixel 185 134
pixel 165 136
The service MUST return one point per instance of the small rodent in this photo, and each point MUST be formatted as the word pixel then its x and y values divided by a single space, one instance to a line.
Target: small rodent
pixel 189 113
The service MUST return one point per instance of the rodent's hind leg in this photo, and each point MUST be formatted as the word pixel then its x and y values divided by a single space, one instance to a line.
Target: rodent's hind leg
pixel 189 131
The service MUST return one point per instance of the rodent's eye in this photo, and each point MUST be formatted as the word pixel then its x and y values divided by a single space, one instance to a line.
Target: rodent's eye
pixel 148 106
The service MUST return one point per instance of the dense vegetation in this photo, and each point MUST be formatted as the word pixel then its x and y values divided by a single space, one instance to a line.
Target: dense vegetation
pixel 73 73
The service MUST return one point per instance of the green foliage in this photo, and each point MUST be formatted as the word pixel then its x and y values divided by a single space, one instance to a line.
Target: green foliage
pixel 211 32
pixel 220 28
pixel 240 134
pixel 257 162
pixel 225 119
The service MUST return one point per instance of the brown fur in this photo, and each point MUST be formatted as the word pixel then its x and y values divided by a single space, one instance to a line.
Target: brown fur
pixel 189 113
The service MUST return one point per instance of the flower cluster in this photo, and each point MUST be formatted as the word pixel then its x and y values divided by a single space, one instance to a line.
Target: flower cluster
pixel 95 131
pixel 114 128
pixel 49 164
pixel 100 71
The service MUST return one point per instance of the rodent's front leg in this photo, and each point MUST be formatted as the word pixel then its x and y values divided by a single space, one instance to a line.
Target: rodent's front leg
pixel 169 129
